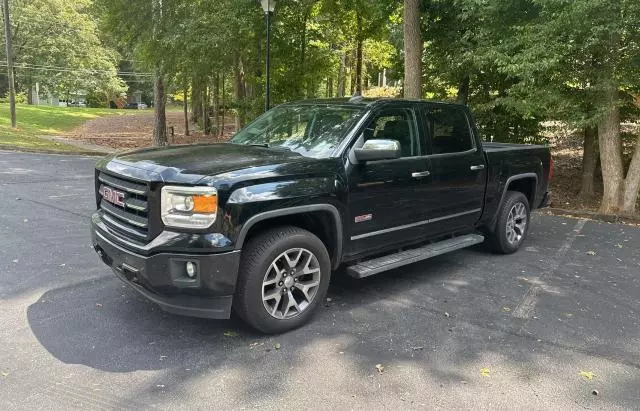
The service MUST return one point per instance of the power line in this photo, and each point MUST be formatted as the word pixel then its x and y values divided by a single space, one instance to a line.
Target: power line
pixel 78 70
pixel 44 46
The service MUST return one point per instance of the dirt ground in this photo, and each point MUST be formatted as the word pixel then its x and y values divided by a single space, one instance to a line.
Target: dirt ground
pixel 566 148
pixel 134 131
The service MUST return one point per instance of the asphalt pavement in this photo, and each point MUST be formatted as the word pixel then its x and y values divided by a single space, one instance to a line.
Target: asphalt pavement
pixel 546 328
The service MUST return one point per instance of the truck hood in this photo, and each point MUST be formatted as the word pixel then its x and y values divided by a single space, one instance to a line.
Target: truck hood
pixel 188 164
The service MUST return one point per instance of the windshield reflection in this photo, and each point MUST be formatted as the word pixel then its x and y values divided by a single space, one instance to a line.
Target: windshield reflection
pixel 307 129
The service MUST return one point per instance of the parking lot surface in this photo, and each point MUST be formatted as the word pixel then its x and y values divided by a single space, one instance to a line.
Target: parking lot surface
pixel 546 328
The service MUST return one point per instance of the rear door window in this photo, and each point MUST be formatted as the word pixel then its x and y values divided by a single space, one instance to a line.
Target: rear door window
pixel 449 130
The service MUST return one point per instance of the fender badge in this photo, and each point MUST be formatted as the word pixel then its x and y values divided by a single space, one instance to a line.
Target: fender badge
pixel 363 218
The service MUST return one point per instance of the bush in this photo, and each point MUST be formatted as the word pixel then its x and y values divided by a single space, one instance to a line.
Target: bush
pixel 21 98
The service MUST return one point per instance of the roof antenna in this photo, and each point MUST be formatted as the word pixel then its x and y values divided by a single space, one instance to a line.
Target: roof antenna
pixel 356 98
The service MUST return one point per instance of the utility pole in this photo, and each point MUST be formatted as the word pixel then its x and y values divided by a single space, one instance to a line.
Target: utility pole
pixel 7 41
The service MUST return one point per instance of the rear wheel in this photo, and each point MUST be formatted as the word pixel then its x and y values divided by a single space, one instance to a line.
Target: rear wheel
pixel 512 225
pixel 284 275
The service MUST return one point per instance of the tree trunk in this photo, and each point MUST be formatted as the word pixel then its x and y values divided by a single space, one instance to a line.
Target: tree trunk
pixel 632 183
pixel 205 110
pixel 224 108
pixel 195 102
pixel 186 110
pixel 342 75
pixel 240 92
pixel 352 73
pixel 159 102
pixel 463 91
pixel 611 153
pixel 360 41
pixel 589 162
pixel 216 104
pixel 303 53
pixel 412 50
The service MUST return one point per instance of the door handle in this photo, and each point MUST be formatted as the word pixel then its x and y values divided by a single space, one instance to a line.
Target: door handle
pixel 421 174
pixel 476 168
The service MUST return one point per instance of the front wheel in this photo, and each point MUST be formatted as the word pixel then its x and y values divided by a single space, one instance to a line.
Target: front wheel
pixel 512 225
pixel 284 275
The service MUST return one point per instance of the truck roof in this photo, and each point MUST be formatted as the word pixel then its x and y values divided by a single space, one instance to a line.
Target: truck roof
pixel 369 101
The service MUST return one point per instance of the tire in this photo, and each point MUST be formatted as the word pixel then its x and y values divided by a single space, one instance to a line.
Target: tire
pixel 509 234
pixel 270 276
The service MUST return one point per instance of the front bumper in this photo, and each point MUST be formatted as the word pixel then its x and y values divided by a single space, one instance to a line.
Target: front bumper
pixel 162 277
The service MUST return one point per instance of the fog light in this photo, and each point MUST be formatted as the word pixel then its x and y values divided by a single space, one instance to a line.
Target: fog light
pixel 191 269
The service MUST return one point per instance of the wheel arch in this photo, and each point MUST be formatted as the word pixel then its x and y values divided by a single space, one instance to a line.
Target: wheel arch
pixel 526 183
pixel 313 218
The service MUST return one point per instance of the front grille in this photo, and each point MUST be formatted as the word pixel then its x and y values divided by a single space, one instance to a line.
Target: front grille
pixel 131 219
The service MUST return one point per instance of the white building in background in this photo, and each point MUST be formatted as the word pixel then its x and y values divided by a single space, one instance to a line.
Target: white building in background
pixel 41 96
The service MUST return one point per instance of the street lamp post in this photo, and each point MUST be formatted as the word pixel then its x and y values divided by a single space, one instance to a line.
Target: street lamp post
pixel 268 6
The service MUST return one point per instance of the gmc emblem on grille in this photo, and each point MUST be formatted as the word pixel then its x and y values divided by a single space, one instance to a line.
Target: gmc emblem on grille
pixel 113 196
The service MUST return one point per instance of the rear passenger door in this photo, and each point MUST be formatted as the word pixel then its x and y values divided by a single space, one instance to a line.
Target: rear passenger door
pixel 458 169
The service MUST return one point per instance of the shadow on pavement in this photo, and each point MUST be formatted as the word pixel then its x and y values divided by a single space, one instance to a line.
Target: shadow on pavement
pixel 431 324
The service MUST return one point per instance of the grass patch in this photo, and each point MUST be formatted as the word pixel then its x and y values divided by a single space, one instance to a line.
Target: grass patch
pixel 36 121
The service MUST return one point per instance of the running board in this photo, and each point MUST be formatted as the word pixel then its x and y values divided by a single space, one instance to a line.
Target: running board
pixel 389 262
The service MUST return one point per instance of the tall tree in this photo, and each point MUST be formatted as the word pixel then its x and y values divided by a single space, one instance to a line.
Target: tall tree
pixel 9 52
pixel 58 45
pixel 412 50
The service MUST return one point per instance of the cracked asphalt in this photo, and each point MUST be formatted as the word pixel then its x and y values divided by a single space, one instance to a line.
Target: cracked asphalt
pixel 461 331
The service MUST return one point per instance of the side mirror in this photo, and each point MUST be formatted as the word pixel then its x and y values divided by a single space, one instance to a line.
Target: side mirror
pixel 378 150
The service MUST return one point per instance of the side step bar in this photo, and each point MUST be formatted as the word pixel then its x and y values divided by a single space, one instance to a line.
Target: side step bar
pixel 389 262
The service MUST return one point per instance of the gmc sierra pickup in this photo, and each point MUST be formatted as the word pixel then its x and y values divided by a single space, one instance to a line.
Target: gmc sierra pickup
pixel 260 223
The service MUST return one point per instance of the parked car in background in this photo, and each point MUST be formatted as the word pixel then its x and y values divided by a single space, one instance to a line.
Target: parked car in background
pixel 136 106
pixel 77 104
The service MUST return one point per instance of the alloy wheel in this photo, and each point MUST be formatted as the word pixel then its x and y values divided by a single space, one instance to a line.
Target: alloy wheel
pixel 291 283
pixel 516 223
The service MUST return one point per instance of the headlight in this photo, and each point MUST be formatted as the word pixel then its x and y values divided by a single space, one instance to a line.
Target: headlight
pixel 189 207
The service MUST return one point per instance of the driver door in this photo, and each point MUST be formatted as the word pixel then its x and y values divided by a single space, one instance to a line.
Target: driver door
pixel 387 197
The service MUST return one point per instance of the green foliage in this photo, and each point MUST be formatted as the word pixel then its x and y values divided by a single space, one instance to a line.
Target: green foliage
pixel 57 44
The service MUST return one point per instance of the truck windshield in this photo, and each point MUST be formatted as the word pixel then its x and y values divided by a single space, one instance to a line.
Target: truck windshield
pixel 310 130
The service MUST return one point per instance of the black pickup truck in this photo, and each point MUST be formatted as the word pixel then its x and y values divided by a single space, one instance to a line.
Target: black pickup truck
pixel 260 223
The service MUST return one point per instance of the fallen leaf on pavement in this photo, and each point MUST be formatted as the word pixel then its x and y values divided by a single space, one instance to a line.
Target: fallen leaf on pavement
pixel 98 305
pixel 230 334
pixel 485 372
pixel 446 314
pixel 277 346
pixel 506 309
pixel 587 374
pixel 380 368
pixel 5 374
pixel 591 253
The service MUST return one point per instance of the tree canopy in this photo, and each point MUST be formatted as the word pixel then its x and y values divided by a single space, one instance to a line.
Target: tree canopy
pixel 517 63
